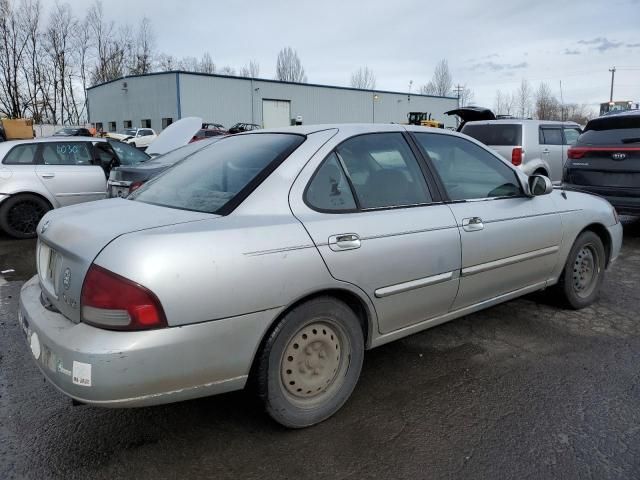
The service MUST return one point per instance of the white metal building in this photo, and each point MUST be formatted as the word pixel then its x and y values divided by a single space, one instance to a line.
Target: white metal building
pixel 156 100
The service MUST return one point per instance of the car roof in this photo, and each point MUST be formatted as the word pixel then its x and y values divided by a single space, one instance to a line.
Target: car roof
pixel 352 129
pixel 9 144
pixel 524 121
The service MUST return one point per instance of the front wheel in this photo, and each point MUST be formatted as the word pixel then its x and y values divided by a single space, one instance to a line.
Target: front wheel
pixel 310 363
pixel 584 271
pixel 20 214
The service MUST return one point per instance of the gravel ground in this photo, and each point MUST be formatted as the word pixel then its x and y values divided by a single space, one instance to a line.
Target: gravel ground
pixel 523 390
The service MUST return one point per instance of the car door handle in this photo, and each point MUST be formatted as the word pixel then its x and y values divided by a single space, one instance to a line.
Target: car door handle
pixel 344 241
pixel 472 224
pixel 545 151
pixel 48 175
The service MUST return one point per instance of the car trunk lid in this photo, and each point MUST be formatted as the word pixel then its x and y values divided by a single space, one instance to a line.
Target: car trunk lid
pixel 70 239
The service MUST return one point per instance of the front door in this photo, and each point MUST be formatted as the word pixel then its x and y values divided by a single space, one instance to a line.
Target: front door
pixel 509 241
pixel 68 172
pixel 370 211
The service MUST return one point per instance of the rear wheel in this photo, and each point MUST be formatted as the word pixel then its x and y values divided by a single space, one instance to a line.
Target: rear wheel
pixel 20 214
pixel 310 363
pixel 584 271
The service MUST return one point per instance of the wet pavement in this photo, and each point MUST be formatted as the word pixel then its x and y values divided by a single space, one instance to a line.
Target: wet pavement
pixel 524 390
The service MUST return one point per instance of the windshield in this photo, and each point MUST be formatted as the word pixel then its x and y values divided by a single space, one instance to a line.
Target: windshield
pixel 211 178
pixel 127 154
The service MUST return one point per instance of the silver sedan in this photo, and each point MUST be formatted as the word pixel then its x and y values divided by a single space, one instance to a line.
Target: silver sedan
pixel 278 257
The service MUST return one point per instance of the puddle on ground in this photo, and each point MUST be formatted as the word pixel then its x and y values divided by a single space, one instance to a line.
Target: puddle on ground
pixel 17 256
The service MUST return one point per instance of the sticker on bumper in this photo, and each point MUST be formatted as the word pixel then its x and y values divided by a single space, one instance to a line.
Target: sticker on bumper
pixel 82 374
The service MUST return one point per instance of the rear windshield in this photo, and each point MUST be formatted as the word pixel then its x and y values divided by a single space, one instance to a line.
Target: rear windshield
pixel 495 134
pixel 612 130
pixel 216 177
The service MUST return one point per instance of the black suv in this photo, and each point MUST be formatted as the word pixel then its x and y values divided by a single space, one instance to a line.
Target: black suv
pixel 606 161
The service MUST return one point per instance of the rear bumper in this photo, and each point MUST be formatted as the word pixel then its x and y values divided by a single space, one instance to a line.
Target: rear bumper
pixel 625 200
pixel 132 369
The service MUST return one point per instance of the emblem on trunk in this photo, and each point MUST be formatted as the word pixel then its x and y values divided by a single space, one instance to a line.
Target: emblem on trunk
pixel 44 227
pixel 619 156
pixel 66 278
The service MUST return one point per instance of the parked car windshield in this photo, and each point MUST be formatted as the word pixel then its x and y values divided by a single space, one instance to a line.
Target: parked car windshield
pixel 131 132
pixel 495 134
pixel 211 178
pixel 127 154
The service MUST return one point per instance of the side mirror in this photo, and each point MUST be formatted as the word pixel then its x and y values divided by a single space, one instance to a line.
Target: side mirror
pixel 539 185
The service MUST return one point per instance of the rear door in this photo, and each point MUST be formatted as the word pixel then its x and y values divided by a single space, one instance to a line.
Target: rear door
pixel 18 166
pixel 509 241
pixel 375 219
pixel 551 149
pixel 68 172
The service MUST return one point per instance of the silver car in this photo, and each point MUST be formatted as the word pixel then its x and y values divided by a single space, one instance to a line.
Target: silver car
pixel 280 256
pixel 51 172
pixel 538 147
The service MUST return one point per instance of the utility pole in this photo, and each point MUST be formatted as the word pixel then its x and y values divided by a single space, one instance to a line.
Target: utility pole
pixel 613 74
pixel 458 89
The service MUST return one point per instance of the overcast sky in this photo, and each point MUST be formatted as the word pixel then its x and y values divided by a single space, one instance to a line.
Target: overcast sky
pixel 490 45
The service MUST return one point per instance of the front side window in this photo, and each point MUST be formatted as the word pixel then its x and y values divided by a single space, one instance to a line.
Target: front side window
pixel 329 189
pixel 467 170
pixel 216 177
pixel 21 155
pixel 383 171
pixel 66 153
pixel 550 136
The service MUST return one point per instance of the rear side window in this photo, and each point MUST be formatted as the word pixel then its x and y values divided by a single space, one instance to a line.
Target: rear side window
pixel 495 133
pixel 329 189
pixel 383 171
pixel 612 130
pixel 21 155
pixel 66 153
pixel 550 136
pixel 571 136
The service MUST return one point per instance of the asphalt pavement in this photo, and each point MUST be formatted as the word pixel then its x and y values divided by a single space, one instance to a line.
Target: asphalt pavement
pixel 524 390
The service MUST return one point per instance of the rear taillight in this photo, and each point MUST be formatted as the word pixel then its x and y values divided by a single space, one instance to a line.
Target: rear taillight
pixel 576 153
pixel 134 186
pixel 114 302
pixel 516 156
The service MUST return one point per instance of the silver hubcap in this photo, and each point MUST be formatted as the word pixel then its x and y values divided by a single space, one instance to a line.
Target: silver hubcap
pixel 311 360
pixel 585 270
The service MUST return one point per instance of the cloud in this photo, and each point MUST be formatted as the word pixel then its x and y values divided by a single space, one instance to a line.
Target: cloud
pixel 602 44
pixel 633 45
pixel 571 52
pixel 499 67
pixel 487 57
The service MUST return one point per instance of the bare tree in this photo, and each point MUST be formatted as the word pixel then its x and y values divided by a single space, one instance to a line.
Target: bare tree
pixel 503 103
pixel 143 48
pixel 441 83
pixel 289 67
pixel 12 50
pixel 579 113
pixel 227 70
pixel 112 46
pixel 167 63
pixel 523 99
pixel 189 64
pixel 363 78
pixel 206 64
pixel 547 106
pixel 251 71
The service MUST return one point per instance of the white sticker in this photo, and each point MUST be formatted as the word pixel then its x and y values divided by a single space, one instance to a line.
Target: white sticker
pixel 82 373
pixel 35 345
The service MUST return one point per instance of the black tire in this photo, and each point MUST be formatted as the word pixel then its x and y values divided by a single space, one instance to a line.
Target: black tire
pixel 20 214
pixel 323 327
pixel 583 273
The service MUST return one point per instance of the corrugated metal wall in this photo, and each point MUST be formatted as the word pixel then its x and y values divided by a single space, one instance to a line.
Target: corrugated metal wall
pixel 230 100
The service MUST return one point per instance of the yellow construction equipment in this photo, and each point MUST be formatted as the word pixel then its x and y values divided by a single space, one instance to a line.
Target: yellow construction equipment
pixel 424 119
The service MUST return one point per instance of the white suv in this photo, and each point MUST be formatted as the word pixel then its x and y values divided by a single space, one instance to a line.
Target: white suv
pixel 538 147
